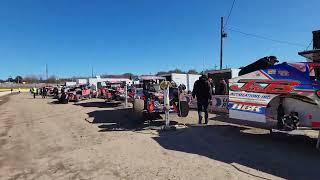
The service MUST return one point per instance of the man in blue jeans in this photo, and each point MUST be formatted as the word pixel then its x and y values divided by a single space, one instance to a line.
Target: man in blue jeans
pixel 202 90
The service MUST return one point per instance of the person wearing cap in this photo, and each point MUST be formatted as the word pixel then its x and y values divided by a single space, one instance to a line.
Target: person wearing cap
pixel 202 91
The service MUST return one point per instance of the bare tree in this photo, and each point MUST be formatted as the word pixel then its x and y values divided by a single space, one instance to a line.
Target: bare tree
pixel 51 79
pixel 176 71
pixel 31 79
pixel 193 71
pixel 161 73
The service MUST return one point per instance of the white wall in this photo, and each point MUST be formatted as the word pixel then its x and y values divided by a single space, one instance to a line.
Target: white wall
pixel 192 80
pixel 94 81
pixel 235 73
pixel 186 79
pixel 71 83
pixel 82 81
pixel 179 78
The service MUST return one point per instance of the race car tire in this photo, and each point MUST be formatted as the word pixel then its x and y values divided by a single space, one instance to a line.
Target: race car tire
pixel 183 109
pixel 137 110
pixel 77 98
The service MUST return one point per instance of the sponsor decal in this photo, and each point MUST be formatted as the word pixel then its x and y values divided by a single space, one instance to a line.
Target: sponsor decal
pixel 221 102
pixel 283 73
pixel 245 107
pixel 272 86
pixel 272 71
pixel 250 95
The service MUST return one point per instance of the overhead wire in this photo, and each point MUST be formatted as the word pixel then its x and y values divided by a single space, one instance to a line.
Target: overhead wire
pixel 225 25
pixel 309 44
pixel 266 38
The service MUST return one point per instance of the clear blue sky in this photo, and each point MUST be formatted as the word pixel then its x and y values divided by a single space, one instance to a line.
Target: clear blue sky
pixel 146 36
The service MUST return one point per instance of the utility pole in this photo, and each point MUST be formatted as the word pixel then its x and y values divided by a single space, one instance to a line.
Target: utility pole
pixel 46 71
pixel 222 35
pixel 92 71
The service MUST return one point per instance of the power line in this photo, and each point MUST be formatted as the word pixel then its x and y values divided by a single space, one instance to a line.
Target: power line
pixel 266 38
pixel 225 25
pixel 309 44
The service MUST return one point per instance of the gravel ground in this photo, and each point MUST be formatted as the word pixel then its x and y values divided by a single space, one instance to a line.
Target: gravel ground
pixel 91 140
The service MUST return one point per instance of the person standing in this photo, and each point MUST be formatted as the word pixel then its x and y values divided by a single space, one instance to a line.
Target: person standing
pixel 212 86
pixel 34 92
pixel 44 92
pixel 202 91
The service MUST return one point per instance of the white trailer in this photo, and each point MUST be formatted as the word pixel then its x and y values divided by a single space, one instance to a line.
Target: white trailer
pixel 180 78
pixel 96 80
pixel 82 81
pixel 70 83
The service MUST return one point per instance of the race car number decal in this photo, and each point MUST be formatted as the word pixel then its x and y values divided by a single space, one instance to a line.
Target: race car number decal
pixel 273 86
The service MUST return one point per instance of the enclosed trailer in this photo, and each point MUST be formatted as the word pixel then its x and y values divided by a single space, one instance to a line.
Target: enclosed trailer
pixel 181 78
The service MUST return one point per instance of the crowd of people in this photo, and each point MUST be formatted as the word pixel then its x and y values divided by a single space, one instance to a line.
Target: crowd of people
pixel 42 91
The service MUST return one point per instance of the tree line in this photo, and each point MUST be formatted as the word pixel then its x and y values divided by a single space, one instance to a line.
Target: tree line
pixel 30 79
pixel 191 71
pixel 53 79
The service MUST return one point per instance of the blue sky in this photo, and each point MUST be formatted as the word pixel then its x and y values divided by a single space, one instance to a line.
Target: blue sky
pixel 146 36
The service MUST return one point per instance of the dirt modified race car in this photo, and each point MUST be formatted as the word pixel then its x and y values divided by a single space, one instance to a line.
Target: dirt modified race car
pixel 281 96
pixel 112 91
pixel 76 94
pixel 149 100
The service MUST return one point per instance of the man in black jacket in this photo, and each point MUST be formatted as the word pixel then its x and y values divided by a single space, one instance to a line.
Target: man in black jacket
pixel 202 90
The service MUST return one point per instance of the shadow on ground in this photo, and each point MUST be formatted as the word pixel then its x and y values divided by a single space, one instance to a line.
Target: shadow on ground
pixel 99 104
pixel 290 157
pixel 122 120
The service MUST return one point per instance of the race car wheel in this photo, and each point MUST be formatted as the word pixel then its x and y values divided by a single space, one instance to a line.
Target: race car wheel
pixel 183 109
pixel 77 98
pixel 137 110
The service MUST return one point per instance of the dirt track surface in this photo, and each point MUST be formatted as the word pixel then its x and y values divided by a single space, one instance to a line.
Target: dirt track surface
pixel 42 140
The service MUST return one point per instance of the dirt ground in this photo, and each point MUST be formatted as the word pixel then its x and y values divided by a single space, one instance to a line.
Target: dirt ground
pixel 89 140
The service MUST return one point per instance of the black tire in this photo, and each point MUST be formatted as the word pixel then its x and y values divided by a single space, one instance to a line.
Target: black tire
pixel 78 98
pixel 183 108
pixel 137 110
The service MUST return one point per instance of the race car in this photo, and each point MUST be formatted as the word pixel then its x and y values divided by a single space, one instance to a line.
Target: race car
pixel 78 93
pixel 283 96
pixel 112 91
pixel 149 100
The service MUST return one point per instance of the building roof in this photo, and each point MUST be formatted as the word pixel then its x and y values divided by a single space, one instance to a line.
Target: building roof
pixel 313 55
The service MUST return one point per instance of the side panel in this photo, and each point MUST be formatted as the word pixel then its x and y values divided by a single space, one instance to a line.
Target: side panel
pixel 248 116
pixel 249 106
pixel 219 104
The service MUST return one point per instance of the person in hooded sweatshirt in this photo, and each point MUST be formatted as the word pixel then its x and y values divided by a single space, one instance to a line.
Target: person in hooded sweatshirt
pixel 202 91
